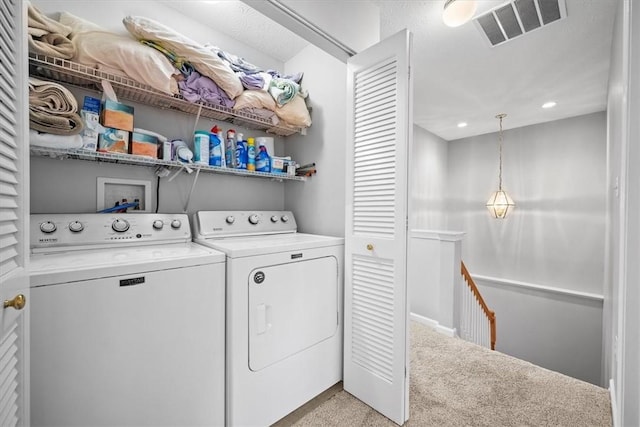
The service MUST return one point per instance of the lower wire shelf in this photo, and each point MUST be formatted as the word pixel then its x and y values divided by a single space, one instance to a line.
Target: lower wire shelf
pixel 129 159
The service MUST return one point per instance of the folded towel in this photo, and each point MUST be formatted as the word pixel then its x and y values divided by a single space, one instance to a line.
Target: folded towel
pixel 52 108
pixel 47 36
pixel 59 125
pixel 53 44
pixel 283 90
pixel 47 140
pixel 40 24
pixel 51 97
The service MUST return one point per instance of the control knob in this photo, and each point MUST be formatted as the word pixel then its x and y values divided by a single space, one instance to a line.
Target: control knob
pixel 285 218
pixel 254 219
pixel 274 218
pixel 230 219
pixel 158 224
pixel 47 227
pixel 76 226
pixel 120 225
pixel 176 224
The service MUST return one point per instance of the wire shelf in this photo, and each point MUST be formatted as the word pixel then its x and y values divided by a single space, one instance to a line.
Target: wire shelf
pixel 78 75
pixel 129 159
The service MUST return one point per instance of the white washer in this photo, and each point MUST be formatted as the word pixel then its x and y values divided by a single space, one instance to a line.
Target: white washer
pixel 284 311
pixel 127 322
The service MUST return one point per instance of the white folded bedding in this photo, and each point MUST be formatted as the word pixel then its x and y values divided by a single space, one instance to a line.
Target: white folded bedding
pixel 48 140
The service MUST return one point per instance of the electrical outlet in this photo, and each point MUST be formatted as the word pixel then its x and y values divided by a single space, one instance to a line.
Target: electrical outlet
pixel 112 191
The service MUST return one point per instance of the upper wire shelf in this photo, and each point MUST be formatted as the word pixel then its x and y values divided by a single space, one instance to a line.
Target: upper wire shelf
pixel 72 73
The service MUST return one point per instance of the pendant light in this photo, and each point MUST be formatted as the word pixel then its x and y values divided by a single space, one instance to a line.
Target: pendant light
pixel 500 204
pixel 458 12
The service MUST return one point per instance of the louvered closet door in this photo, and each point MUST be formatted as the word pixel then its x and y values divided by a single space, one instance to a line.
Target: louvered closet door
pixel 378 140
pixel 14 196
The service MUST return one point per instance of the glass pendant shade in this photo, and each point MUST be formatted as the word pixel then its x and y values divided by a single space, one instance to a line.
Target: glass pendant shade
pixel 500 204
pixel 458 12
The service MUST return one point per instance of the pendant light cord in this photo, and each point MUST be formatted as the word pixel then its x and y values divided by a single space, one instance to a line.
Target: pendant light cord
pixel 500 116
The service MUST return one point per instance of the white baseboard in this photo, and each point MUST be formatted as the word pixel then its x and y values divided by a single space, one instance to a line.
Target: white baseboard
pixel 614 404
pixel 434 324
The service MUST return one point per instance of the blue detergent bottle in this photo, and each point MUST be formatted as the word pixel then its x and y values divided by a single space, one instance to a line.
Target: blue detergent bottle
pixel 263 160
pixel 241 153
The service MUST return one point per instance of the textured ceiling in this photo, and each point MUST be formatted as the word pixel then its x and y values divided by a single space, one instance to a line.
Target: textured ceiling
pixel 244 24
pixel 458 76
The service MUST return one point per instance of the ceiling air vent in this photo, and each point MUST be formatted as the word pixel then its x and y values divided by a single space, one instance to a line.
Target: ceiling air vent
pixel 517 17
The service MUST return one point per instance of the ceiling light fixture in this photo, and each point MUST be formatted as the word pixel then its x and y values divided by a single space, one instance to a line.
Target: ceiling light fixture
pixel 462 124
pixel 500 204
pixel 458 12
pixel 549 104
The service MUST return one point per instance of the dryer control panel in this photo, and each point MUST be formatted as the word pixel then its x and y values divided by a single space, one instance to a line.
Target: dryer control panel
pixel 211 224
pixel 79 231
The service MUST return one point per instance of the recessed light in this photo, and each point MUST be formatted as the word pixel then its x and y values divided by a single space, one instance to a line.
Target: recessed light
pixel 462 124
pixel 549 104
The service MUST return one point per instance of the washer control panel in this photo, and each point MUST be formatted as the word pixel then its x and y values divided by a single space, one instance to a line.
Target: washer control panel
pixel 208 224
pixel 50 231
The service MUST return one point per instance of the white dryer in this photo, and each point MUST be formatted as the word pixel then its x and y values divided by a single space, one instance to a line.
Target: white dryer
pixel 127 322
pixel 284 311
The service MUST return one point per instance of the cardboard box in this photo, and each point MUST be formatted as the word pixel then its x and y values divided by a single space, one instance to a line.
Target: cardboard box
pixel 114 141
pixel 116 115
pixel 144 145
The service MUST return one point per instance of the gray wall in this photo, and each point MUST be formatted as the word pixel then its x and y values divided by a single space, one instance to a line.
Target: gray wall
pixel 631 300
pixel 542 269
pixel 615 133
pixel 428 181
pixel 555 172
pixel 622 293
pixel 319 203
pixel 553 329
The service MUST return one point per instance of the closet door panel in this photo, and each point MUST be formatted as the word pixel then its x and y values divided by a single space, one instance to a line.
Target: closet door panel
pixel 378 139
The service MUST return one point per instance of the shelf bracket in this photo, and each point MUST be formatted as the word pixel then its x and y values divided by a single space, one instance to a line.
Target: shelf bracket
pixel 183 166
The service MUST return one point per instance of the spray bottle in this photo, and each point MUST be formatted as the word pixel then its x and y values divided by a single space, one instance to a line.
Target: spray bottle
pixel 230 149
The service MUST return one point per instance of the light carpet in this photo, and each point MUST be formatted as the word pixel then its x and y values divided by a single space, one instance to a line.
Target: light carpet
pixel 456 383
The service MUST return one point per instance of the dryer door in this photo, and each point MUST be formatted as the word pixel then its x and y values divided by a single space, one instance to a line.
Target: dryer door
pixel 291 307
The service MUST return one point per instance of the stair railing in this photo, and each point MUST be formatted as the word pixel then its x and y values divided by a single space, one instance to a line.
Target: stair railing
pixel 477 322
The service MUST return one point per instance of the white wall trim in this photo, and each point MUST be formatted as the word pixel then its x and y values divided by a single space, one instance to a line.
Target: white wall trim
pixel 614 404
pixel 435 325
pixel 542 288
pixel 447 236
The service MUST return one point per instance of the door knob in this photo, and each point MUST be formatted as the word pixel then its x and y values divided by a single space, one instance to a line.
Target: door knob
pixel 369 247
pixel 18 302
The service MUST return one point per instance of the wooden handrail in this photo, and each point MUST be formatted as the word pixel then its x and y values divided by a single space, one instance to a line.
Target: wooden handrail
pixel 491 315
